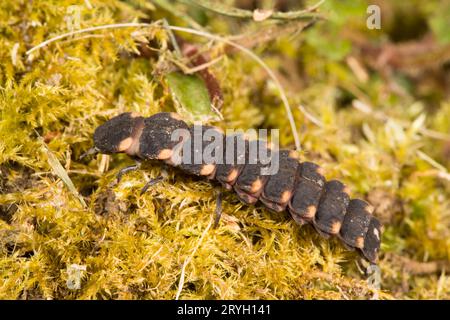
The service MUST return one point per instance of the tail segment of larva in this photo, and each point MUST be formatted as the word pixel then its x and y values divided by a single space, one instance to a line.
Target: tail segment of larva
pixel 299 187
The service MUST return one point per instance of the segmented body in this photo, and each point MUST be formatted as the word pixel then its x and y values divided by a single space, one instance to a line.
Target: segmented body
pixel 298 187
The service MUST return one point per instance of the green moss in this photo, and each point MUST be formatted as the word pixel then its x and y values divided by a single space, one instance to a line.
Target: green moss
pixel 134 247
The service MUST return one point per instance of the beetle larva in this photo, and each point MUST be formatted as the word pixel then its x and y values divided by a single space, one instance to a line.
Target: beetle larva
pixel 298 187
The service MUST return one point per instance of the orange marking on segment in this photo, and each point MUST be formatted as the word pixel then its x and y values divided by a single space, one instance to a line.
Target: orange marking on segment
pixel 285 196
pixel 135 114
pixel 310 212
pixel 294 155
pixel 320 171
pixel 207 169
pixel 347 190
pixel 136 135
pixel 256 186
pixel 165 154
pixel 232 176
pixel 175 116
pixel 370 209
pixel 125 144
pixel 360 242
pixel 336 227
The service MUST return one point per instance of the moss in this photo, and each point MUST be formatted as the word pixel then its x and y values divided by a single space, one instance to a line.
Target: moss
pixel 134 247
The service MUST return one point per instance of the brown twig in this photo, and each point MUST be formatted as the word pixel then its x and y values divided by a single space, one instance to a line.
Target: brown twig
pixel 414 267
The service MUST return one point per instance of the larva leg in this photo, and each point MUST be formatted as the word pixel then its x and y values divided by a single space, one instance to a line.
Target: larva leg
pixel 91 151
pixel 127 169
pixel 218 211
pixel 151 183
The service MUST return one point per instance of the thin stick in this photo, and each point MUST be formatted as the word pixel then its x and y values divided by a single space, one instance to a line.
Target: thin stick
pixel 241 13
pixel 188 70
pixel 87 30
pixel 203 66
pixel 186 262
pixel 172 38
pixel 422 155
pixel 310 117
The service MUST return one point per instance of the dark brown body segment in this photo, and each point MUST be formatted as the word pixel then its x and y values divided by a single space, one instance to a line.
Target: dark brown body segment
pixel 372 240
pixel 356 223
pixel 236 149
pixel 250 182
pixel 308 191
pixel 156 139
pixel 194 162
pixel 332 208
pixel 109 136
pixel 280 186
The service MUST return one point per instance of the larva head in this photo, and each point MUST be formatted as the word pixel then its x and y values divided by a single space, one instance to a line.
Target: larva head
pixel 117 134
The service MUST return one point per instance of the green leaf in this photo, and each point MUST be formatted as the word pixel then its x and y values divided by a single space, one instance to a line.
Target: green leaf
pixel 191 97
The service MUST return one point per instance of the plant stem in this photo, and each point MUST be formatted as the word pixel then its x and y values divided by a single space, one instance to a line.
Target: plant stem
pixel 241 13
